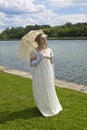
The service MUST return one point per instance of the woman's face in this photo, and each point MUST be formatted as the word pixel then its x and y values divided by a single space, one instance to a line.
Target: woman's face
pixel 43 41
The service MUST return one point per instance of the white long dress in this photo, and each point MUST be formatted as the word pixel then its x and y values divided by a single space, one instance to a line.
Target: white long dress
pixel 44 92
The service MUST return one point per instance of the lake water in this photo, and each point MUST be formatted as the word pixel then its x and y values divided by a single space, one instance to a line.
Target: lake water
pixel 70 59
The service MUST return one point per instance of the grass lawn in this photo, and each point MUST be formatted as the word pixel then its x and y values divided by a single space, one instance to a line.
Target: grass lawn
pixel 18 112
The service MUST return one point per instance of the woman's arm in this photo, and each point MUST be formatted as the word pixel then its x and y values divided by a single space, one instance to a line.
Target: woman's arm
pixel 51 60
pixel 34 61
pixel 52 65
pixel 31 60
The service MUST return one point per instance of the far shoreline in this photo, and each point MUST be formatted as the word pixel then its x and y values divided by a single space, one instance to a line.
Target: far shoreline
pixel 67 38
pixel 52 38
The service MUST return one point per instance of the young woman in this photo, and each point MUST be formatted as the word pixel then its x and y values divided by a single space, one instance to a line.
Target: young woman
pixel 45 97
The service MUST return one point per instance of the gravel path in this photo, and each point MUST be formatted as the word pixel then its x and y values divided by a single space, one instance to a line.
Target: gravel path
pixel 59 83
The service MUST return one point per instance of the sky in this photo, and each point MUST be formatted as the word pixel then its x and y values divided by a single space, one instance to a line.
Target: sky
pixel 17 13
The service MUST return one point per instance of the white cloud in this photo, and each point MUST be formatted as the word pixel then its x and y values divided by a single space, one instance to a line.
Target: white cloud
pixel 80 2
pixel 2 15
pixel 26 12
pixel 2 18
pixel 21 6
pixel 55 19
pixel 73 18
pixel 66 3
pixel 19 13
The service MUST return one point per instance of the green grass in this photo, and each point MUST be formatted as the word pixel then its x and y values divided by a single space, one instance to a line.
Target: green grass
pixel 18 112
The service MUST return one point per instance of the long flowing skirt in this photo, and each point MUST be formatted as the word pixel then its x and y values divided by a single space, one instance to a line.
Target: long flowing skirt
pixel 44 92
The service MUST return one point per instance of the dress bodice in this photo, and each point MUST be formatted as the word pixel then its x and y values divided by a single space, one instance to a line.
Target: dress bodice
pixel 47 54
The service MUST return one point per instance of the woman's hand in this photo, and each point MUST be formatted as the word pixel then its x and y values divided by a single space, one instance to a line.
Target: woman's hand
pixel 37 60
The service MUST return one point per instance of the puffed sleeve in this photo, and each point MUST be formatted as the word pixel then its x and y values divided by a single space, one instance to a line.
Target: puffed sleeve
pixel 51 52
pixel 32 54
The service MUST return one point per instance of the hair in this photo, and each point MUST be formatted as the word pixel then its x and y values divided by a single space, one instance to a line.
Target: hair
pixel 37 39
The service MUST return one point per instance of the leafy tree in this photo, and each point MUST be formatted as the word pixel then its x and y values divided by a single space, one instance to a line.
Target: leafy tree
pixel 67 30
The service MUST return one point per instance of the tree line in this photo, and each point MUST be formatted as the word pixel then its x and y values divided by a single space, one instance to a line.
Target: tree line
pixel 66 30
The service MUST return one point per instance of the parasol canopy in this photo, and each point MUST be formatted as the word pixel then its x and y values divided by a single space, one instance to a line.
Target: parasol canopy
pixel 27 43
